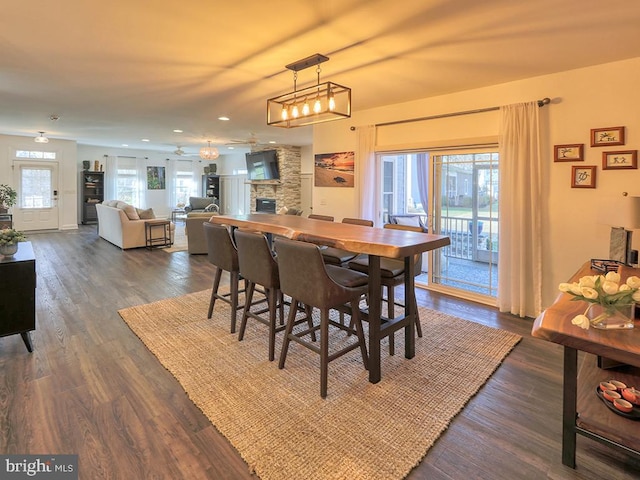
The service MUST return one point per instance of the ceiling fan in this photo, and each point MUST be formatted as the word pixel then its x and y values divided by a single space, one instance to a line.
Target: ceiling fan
pixel 252 141
pixel 178 151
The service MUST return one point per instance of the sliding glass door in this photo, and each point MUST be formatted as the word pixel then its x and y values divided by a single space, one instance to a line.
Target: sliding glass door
pixel 455 194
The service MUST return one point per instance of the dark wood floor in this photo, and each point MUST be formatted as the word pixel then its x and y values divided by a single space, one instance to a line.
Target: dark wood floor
pixel 91 388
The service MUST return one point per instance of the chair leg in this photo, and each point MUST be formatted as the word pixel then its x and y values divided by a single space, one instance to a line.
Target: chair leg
pixel 355 316
pixel 308 311
pixel 285 341
pixel 418 323
pixel 391 314
pixel 245 311
pixel 235 280
pixel 272 299
pixel 216 284
pixel 281 306
pixel 324 351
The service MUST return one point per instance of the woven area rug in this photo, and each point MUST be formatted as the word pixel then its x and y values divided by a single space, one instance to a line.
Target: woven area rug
pixel 276 418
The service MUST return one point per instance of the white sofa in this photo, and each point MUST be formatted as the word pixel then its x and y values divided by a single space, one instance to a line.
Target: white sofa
pixel 121 224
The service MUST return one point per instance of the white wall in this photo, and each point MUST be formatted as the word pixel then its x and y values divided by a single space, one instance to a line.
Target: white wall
pixel 594 97
pixel 67 175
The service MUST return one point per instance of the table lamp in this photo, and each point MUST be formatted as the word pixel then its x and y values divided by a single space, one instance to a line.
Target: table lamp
pixel 622 213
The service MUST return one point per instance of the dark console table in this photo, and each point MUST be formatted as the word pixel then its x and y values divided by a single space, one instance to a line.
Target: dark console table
pixel 18 293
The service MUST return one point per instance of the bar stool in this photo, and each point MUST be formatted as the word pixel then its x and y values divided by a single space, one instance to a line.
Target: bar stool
pixel 306 279
pixel 337 256
pixel 222 253
pixel 392 275
pixel 259 267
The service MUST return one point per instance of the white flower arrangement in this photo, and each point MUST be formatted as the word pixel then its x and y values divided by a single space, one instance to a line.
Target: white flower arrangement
pixel 9 236
pixel 604 290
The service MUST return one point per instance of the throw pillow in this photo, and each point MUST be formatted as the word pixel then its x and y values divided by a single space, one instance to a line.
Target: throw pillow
pixel 129 210
pixel 145 214
pixel 110 203
pixel 409 221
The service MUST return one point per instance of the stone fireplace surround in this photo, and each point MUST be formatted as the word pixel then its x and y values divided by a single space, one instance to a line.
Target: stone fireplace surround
pixel 286 191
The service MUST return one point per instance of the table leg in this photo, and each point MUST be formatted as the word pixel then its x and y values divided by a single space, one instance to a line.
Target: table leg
pixel 569 413
pixel 409 308
pixel 26 338
pixel 374 319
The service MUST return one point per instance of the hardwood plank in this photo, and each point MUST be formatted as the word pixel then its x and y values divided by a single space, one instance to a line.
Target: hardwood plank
pixel 90 386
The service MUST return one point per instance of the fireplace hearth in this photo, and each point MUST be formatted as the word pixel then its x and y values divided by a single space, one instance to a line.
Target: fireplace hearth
pixel 265 205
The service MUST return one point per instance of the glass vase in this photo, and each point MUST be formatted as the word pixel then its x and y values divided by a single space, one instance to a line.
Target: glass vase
pixel 611 317
pixel 8 250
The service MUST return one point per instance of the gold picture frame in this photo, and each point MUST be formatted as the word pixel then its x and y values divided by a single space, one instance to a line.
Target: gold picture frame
pixel 583 177
pixel 621 160
pixel 568 153
pixel 604 137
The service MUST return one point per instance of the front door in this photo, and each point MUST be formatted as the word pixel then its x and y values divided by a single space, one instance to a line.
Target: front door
pixel 37 187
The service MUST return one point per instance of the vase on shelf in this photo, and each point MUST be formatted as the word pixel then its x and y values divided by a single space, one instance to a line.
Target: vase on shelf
pixel 8 250
pixel 618 317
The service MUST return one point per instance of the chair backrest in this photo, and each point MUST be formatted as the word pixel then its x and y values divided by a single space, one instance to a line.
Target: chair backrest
pixel 418 257
pixel 256 260
pixel 221 251
pixel 303 275
pixel 358 221
pixel 326 218
pixel 411 228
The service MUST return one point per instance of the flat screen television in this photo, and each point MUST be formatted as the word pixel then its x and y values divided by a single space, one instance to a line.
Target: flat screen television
pixel 263 165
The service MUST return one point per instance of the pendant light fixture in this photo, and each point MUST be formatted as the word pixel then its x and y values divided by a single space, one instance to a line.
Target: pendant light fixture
pixel 322 102
pixel 41 138
pixel 209 152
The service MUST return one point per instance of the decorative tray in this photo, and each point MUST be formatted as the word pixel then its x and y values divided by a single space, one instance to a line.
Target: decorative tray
pixel 633 414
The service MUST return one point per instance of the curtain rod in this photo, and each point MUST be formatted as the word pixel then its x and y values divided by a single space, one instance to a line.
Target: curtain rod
pixel 541 103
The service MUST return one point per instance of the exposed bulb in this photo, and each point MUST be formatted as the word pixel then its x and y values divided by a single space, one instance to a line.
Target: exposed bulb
pixel 332 103
pixel 317 106
pixel 305 108
pixel 294 112
pixel 285 113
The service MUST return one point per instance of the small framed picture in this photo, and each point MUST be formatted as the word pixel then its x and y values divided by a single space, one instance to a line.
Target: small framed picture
pixel 583 177
pixel 568 153
pixel 620 160
pixel 604 137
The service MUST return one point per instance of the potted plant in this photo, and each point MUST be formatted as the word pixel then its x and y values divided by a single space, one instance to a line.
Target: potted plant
pixel 8 197
pixel 9 239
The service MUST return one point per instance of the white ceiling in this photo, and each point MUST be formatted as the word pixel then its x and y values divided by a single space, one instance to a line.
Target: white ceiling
pixel 122 70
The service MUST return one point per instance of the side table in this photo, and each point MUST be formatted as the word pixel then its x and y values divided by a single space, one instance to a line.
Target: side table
pixel 582 412
pixel 18 293
pixel 178 213
pixel 162 231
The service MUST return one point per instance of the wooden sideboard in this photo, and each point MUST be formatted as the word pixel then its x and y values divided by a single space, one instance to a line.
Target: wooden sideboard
pixel 582 411
pixel 18 293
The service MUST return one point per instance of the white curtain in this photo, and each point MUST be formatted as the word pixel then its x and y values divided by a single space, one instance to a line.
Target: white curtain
pixel 520 252
pixel 111 178
pixel 368 176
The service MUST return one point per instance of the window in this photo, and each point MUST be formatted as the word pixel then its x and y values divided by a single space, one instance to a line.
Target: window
pixel 35 154
pixel 185 186
pixel 35 187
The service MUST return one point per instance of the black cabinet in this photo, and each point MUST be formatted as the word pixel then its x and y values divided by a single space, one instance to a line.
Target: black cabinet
pixel 18 293
pixel 92 186
pixel 211 188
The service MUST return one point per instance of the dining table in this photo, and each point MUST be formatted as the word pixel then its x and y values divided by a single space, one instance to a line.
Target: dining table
pixel 376 243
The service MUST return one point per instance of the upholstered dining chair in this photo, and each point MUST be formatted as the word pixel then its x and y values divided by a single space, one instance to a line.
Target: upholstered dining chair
pixel 325 288
pixel 338 256
pixel 258 266
pixel 222 253
pixel 326 218
pixel 392 275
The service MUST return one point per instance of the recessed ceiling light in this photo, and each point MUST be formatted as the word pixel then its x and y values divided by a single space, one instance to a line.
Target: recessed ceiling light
pixel 272 141
pixel 125 144
pixel 224 119
pixel 146 140
pixel 231 148
pixel 177 130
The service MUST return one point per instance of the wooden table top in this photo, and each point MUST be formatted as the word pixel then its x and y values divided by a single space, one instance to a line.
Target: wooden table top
pixel 554 325
pixel 354 238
